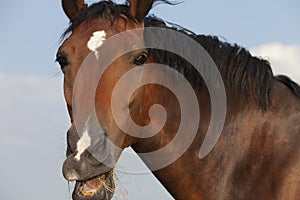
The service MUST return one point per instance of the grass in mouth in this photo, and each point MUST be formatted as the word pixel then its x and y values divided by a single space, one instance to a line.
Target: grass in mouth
pixel 107 187
pixel 101 182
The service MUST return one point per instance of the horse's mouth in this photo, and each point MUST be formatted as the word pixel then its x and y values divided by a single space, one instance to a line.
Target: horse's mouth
pixel 98 188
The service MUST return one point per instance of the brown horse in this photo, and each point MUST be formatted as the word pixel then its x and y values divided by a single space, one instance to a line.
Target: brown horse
pixel 258 153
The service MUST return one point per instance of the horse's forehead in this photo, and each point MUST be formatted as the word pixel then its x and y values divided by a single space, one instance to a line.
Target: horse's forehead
pixel 86 30
pixel 96 40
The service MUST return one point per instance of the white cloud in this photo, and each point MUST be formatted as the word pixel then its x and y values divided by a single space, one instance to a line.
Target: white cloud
pixel 28 105
pixel 15 141
pixel 33 122
pixel 29 87
pixel 284 59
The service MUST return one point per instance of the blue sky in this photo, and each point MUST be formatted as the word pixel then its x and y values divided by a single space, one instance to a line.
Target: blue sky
pixel 33 118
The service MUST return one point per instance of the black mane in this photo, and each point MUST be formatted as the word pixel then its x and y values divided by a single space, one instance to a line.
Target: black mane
pixel 245 74
pixel 289 83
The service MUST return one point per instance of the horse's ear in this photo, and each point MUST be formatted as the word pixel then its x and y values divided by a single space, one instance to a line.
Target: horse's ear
pixel 73 8
pixel 140 8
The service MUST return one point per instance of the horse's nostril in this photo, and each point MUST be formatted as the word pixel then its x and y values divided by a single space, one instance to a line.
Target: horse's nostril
pixel 71 175
pixel 69 171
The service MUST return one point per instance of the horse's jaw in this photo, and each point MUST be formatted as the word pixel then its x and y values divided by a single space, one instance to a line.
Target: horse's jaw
pixel 98 188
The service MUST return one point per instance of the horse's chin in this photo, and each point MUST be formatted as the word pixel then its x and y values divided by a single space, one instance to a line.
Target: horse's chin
pixel 98 188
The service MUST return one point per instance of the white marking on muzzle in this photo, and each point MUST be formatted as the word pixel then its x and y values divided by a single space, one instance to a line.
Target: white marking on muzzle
pixel 83 144
pixel 96 41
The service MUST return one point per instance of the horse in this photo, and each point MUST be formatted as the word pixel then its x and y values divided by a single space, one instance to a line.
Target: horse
pixel 256 156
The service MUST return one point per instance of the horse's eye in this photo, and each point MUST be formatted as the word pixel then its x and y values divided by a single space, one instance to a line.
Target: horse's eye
pixel 62 59
pixel 140 59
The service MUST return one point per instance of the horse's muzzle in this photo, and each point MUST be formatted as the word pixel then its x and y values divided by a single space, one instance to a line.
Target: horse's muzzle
pixel 99 188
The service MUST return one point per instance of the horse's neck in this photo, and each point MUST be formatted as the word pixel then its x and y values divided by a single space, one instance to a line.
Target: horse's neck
pixel 179 177
pixel 244 131
pixel 189 177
